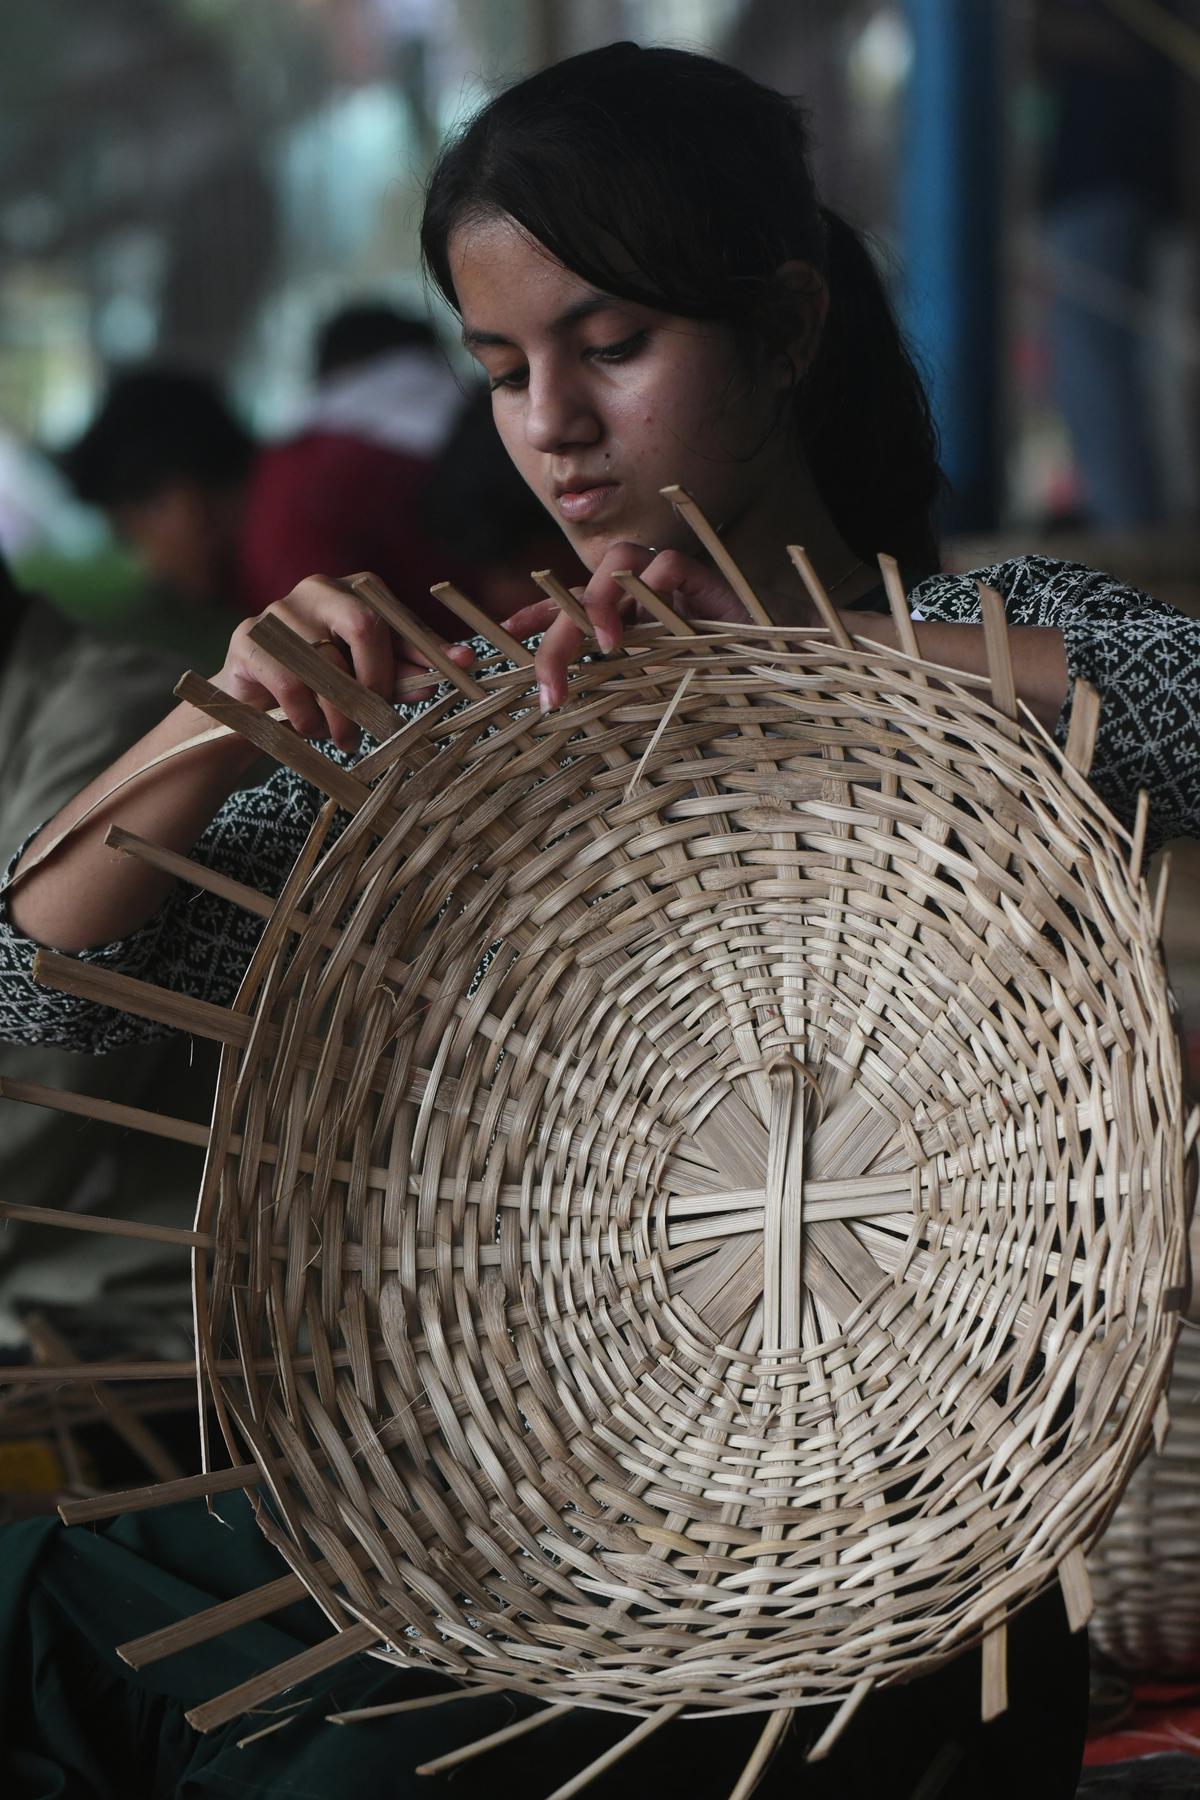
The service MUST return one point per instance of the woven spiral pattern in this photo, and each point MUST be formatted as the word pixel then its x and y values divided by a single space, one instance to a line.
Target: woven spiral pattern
pixel 762 1275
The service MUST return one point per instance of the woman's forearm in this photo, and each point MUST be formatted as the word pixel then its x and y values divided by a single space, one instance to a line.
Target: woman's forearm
pixel 1038 654
pixel 86 894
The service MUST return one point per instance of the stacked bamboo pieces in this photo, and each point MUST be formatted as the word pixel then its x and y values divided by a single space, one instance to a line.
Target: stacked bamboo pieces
pixel 693 1216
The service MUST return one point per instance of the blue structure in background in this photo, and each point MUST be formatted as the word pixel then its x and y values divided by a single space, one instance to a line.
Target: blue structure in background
pixel 951 234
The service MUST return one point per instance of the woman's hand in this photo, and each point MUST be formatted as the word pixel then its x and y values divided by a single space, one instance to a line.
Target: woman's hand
pixel 327 613
pixel 695 592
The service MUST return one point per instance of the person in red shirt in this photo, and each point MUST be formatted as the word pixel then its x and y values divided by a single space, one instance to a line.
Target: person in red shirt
pixel 213 518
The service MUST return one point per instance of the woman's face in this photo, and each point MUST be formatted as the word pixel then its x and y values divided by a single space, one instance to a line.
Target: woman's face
pixel 601 402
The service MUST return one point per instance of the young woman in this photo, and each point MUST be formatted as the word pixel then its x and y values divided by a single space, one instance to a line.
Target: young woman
pixel 641 264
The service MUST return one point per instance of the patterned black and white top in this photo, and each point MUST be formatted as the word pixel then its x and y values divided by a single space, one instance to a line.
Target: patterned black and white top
pixel 1142 656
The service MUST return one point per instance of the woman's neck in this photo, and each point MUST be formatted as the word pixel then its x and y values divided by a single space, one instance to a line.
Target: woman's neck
pixel 787 509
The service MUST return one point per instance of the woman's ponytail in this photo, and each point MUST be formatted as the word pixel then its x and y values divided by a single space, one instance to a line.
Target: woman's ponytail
pixel 864 417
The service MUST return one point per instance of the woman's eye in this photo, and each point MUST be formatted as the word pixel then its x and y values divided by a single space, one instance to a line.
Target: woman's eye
pixel 613 353
pixel 513 378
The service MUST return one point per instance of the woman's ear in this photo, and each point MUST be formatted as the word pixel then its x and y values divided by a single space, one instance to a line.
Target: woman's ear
pixel 799 308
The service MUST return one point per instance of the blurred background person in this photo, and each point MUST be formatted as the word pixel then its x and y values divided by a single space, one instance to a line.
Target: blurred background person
pixel 68 703
pixel 1111 185
pixel 346 490
pixel 220 523
pixel 168 463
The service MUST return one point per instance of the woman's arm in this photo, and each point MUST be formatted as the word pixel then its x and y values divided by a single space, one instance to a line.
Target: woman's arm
pixel 1065 622
pixel 84 894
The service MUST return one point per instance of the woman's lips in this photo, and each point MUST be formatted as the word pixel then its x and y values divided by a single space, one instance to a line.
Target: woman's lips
pixel 585 503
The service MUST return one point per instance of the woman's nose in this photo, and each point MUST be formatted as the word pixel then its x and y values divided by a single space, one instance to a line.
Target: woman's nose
pixel 559 413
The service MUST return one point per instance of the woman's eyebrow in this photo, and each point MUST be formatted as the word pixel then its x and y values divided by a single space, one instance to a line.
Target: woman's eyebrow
pixel 583 309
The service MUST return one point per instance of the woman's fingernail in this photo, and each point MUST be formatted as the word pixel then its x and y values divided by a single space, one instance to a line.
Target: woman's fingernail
pixel 545 699
pixel 606 637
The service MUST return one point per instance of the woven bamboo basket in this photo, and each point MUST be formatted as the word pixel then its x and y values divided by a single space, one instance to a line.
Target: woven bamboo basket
pixel 693 1215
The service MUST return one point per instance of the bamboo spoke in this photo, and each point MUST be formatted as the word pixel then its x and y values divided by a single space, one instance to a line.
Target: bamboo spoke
pixel 315 1661
pixel 506 1735
pixel 324 677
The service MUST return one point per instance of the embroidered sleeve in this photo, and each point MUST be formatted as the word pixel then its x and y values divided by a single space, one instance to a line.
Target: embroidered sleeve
pixel 196 943
pixel 1141 655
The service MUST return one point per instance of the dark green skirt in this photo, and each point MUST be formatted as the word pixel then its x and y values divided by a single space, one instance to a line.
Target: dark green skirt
pixel 77 1724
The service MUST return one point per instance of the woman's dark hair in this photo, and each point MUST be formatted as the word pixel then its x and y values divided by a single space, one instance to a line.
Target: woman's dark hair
pixel 677 182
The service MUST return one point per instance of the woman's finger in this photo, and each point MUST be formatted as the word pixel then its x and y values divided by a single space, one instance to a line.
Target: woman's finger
pixel 555 654
pixel 539 615
pixel 415 681
pixel 604 597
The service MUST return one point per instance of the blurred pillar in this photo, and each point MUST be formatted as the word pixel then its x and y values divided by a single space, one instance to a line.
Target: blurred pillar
pixel 952 233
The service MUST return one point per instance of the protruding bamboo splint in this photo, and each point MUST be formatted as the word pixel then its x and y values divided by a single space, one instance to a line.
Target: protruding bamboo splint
pixel 274 739
pixel 213 1622
pixel 315 1661
pixel 506 1734
pixel 654 603
pixel 100 1226
pixel 1161 891
pixel 829 615
pixel 999 655
pixel 692 516
pixel 769 1739
pixel 1085 723
pixel 324 677
pixel 1076 1588
pixel 478 622
pixel 360 1715
pixel 893 587
pixel 818 1751
pixel 127 994
pixel 414 632
pixel 164 1493
pixel 564 599
pixel 617 1753
pixel 994 1697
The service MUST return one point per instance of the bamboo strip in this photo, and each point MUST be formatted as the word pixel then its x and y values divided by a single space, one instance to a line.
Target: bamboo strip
pixel 840 1720
pixel 611 1757
pixel 829 615
pixel 69 1221
pixel 477 621
pixel 999 656
pixel 307 1663
pixel 1085 723
pixel 274 739
pixel 163 1493
pixel 692 516
pixel 507 1733
pixel 565 600
pixel 768 1742
pixel 893 584
pixel 409 627
pixel 324 677
pixel 214 1621
pixel 361 1714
